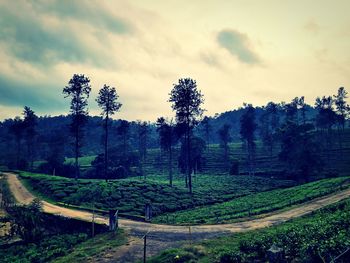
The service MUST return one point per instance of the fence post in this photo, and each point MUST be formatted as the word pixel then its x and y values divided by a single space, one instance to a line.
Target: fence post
pixel 148 212
pixel 112 220
pixel 144 248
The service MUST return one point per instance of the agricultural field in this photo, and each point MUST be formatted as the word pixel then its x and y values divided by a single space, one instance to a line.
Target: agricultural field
pixel 318 237
pixel 156 162
pixel 255 204
pixel 130 195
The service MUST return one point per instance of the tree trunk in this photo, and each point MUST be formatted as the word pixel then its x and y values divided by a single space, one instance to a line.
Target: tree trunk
pixel 76 153
pixel 106 147
pixel 189 160
pixel 171 166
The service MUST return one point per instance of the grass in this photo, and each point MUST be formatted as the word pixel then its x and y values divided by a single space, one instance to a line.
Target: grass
pixel 44 251
pixel 92 247
pixel 84 161
pixel 131 195
pixel 255 204
pixel 318 237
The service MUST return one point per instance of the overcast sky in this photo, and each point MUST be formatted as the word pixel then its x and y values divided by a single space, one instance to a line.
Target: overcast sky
pixel 237 51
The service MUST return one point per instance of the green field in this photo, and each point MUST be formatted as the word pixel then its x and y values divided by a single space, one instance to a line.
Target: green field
pixel 318 237
pixel 255 204
pixel 130 195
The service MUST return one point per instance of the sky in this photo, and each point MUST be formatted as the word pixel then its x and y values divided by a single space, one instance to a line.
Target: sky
pixel 238 51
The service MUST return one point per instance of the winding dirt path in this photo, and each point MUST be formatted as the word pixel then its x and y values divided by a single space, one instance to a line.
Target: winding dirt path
pixel 164 236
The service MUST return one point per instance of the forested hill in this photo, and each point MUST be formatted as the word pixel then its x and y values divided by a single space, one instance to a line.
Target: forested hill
pixel 55 129
pixel 232 118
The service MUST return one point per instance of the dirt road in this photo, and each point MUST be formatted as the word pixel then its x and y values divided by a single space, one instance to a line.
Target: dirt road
pixel 163 236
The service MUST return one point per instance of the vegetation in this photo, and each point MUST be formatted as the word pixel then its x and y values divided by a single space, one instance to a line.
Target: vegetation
pixel 319 237
pixel 255 204
pixel 107 100
pixel 93 247
pixel 41 237
pixel 79 90
pixel 46 250
pixel 248 127
pixel 186 101
pixel 130 195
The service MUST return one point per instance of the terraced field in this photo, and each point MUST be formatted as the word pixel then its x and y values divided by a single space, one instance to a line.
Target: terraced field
pixel 156 162
pixel 131 195
pixel 318 237
pixel 255 204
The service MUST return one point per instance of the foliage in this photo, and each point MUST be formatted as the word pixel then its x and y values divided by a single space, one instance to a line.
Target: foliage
pixel 93 247
pixel 255 204
pixel 27 221
pixel 30 133
pixel 318 237
pixel 248 127
pixel 299 150
pixel 343 109
pixel 234 169
pixel 167 138
pixel 44 251
pixel 130 195
pixel 119 165
pixel 186 101
pixel 225 138
pixel 196 157
pixel 79 90
pixel 107 100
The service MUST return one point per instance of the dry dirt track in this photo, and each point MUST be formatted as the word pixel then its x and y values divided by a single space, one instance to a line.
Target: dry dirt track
pixel 163 236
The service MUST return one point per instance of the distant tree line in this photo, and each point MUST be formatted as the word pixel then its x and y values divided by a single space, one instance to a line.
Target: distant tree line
pixel 295 133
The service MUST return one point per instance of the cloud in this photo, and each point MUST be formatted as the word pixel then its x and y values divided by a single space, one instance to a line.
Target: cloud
pixel 39 96
pixel 90 12
pixel 47 34
pixel 238 45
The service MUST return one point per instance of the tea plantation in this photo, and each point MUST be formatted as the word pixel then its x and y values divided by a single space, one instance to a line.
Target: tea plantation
pixel 131 195
pixel 254 204
pixel 319 237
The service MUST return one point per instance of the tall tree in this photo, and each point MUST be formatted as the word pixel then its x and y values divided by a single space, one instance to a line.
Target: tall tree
pixel 225 139
pixel 197 161
pixel 108 101
pixel 342 107
pixel 206 128
pixel 123 132
pixel 342 110
pixel 269 123
pixel 186 101
pixel 247 131
pixel 17 130
pixel 299 150
pixel 78 89
pixel 325 120
pixel 29 124
pixel 291 110
pixel 301 106
pixel 167 138
pixel 142 132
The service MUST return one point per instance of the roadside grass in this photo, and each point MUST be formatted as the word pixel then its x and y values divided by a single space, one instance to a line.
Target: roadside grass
pixel 93 247
pixel 131 195
pixel 317 237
